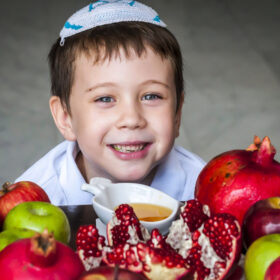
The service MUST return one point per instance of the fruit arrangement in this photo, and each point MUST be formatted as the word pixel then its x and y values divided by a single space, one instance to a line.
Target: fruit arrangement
pixel 14 194
pixel 25 209
pixel 233 181
pixel 236 209
pixel 198 244
pixel 261 238
pixel 34 237
pixel 246 183
pixel 241 183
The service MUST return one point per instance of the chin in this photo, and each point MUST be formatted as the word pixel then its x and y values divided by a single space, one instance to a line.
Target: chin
pixel 130 179
pixel 136 176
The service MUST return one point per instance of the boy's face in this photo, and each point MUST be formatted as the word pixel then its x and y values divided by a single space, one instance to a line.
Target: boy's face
pixel 123 115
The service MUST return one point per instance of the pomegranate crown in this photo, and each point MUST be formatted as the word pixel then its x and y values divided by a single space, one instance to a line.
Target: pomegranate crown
pixel 264 151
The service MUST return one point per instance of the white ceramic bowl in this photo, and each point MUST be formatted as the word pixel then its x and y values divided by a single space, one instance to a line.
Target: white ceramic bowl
pixel 108 195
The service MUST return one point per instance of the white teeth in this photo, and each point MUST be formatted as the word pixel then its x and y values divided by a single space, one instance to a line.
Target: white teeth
pixel 128 148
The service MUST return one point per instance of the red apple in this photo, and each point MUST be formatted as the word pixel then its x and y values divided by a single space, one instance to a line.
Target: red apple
pixel 14 194
pixel 273 271
pixel 262 218
pixel 111 273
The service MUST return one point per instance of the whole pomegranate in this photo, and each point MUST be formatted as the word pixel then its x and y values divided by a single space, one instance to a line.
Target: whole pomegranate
pixel 233 181
pixel 40 257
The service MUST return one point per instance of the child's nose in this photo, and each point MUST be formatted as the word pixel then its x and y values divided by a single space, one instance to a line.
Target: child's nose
pixel 131 117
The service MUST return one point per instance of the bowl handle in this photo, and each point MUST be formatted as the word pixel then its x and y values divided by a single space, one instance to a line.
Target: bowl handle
pixel 96 185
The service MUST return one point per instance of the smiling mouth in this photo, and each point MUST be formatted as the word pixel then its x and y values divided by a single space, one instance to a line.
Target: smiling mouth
pixel 129 148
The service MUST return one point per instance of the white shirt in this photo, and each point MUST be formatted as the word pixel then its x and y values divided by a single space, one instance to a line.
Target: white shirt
pixel 58 174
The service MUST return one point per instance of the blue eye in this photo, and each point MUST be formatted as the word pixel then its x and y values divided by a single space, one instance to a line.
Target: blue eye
pixel 105 99
pixel 151 96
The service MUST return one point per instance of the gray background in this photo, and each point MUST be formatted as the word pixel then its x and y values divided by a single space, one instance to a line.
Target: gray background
pixel 232 73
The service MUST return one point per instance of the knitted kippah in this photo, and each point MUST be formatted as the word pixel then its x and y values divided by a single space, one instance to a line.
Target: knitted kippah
pixel 106 12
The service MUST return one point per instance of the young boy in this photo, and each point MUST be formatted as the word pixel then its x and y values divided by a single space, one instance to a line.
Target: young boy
pixel 117 96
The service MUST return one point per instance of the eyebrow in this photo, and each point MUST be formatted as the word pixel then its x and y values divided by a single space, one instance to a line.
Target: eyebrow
pixel 100 85
pixel 156 82
pixel 109 84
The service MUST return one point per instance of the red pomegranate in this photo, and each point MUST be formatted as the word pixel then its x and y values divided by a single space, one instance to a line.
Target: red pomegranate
pixel 39 258
pixel 233 181
pixel 209 244
pixel 125 227
pixel 90 246
pixel 152 258
pixel 199 245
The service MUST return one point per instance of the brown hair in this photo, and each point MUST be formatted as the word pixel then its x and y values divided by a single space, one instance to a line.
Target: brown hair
pixel 108 40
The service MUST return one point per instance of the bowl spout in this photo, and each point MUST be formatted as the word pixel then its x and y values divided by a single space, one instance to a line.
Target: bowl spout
pixel 96 185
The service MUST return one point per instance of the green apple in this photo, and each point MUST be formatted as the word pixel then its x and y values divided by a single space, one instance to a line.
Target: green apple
pixel 261 253
pixel 10 235
pixel 37 216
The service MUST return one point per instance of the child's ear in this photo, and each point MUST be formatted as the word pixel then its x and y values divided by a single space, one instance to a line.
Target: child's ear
pixel 179 115
pixel 62 118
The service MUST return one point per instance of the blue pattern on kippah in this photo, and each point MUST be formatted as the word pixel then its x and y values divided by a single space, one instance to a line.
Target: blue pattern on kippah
pixel 72 26
pixel 97 4
pixel 156 18
pixel 90 7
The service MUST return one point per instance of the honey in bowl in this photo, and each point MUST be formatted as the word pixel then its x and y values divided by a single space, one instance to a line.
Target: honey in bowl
pixel 150 212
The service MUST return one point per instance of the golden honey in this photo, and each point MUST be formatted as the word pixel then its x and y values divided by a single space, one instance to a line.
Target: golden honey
pixel 150 212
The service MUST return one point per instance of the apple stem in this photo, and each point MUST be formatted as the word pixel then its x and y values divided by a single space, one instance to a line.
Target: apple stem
pixel 5 187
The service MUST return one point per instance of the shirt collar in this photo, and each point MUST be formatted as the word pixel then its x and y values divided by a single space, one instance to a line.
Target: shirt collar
pixel 170 176
pixel 71 178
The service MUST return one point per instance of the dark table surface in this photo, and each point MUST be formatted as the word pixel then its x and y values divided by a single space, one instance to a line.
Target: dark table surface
pixel 78 215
